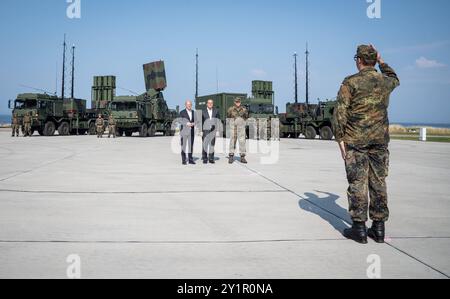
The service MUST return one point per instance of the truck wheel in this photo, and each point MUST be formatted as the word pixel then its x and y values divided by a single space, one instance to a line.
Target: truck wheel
pixel 119 133
pixel 49 129
pixel 143 131
pixel 41 132
pixel 310 132
pixel 128 133
pixel 92 129
pixel 152 130
pixel 326 133
pixel 168 131
pixel 64 129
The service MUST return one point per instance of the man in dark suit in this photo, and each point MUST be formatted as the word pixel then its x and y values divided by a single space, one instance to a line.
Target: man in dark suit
pixel 210 125
pixel 187 133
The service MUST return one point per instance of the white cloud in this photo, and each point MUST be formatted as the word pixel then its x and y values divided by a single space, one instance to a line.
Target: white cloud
pixel 258 73
pixel 425 63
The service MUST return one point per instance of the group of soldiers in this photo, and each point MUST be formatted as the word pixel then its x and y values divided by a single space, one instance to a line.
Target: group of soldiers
pixel 25 123
pixel 100 126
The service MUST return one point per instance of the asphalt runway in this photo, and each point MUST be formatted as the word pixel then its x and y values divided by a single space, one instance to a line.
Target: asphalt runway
pixel 128 209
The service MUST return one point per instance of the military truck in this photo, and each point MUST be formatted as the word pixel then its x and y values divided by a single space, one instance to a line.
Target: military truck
pixel 260 105
pixel 50 114
pixel 102 94
pixel 309 120
pixel 147 114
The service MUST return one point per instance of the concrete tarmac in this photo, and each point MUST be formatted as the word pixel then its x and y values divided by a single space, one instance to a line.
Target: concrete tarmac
pixel 129 209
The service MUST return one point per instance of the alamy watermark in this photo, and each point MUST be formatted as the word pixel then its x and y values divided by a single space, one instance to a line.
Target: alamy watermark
pixel 262 137
pixel 374 269
pixel 374 9
pixel 73 9
pixel 74 268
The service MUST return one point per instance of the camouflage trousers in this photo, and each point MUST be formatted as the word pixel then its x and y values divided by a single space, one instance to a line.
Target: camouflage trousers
pixel 238 134
pixel 112 131
pixel 367 168
pixel 26 130
pixel 100 131
pixel 15 130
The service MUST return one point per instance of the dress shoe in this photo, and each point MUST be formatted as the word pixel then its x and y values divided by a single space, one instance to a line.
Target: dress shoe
pixel 212 161
pixel 377 232
pixel 357 233
pixel 192 162
pixel 205 161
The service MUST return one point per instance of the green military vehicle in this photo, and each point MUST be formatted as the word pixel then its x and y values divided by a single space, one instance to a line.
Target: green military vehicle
pixel 260 105
pixel 309 120
pixel 103 93
pixel 147 114
pixel 50 114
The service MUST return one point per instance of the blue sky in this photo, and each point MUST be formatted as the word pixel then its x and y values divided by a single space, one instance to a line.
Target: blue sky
pixel 241 40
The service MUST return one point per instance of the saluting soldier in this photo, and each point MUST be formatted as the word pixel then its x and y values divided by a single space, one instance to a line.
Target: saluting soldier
pixel 361 128
pixel 27 125
pixel 238 116
pixel 100 124
pixel 112 126
pixel 15 126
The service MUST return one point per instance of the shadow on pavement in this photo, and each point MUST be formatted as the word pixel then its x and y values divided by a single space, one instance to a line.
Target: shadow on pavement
pixel 314 204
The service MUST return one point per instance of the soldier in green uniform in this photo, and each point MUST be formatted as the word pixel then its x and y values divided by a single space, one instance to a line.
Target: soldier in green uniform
pixel 27 125
pixel 112 126
pixel 15 126
pixel 361 128
pixel 100 124
pixel 238 116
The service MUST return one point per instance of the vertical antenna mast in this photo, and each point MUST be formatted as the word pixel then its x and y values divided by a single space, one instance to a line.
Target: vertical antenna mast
pixel 307 74
pixel 56 79
pixel 296 78
pixel 217 79
pixel 64 69
pixel 73 72
pixel 196 75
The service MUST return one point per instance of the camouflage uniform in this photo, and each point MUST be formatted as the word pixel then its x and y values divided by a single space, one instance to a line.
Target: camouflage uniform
pixel 239 117
pixel 112 127
pixel 361 122
pixel 15 126
pixel 27 125
pixel 99 123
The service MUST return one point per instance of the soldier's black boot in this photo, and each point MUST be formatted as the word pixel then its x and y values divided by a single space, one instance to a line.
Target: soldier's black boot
pixel 357 233
pixel 377 232
pixel 243 160
pixel 231 159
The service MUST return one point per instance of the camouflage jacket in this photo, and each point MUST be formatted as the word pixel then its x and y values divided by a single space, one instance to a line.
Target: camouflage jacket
pixel 112 122
pixel 361 115
pixel 99 122
pixel 15 121
pixel 235 113
pixel 27 119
